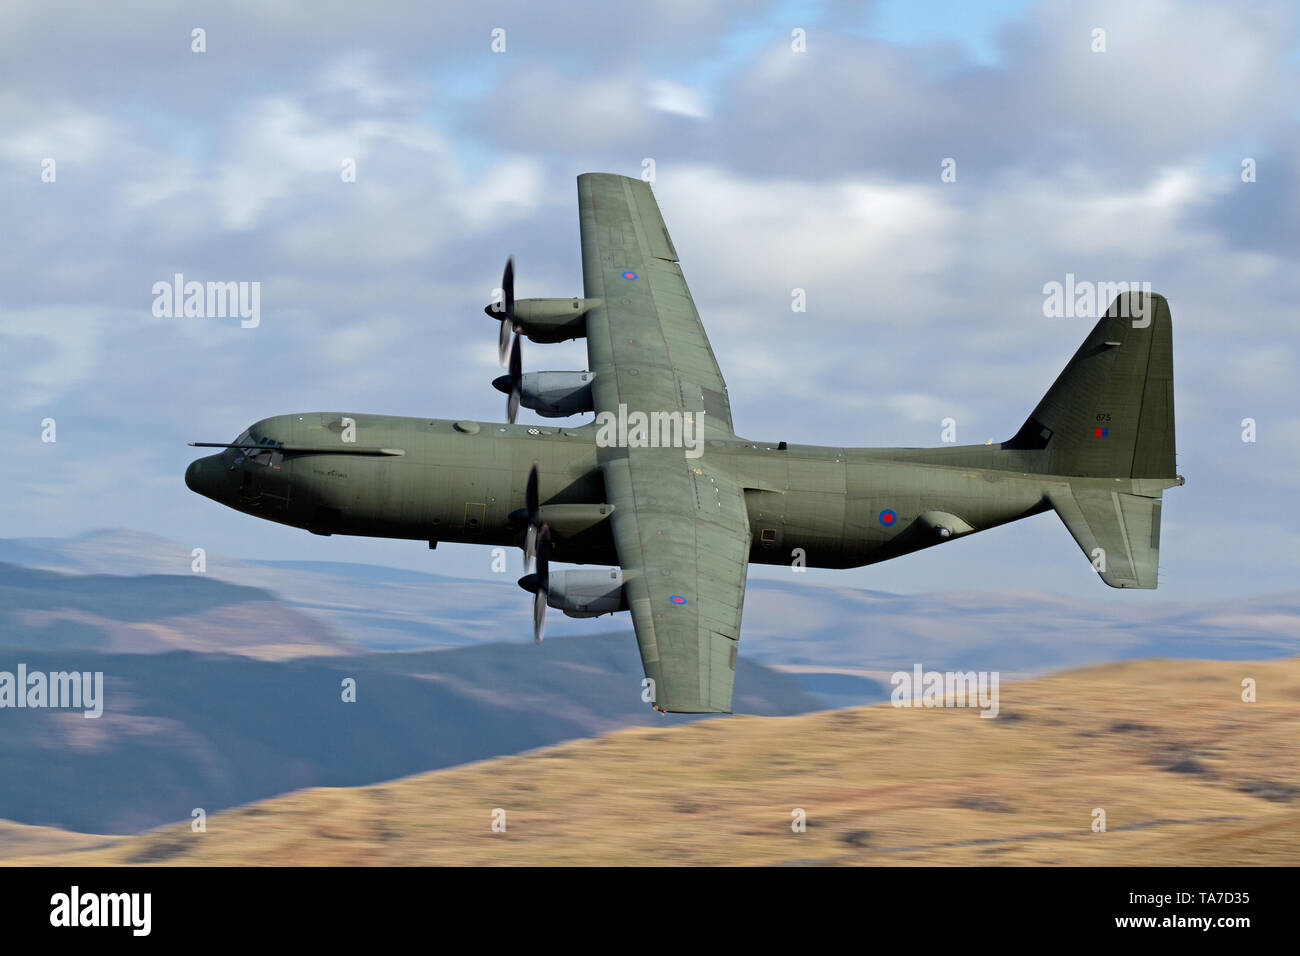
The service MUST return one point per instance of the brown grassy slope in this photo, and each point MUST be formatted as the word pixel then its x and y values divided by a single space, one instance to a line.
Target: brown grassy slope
pixel 19 839
pixel 1163 746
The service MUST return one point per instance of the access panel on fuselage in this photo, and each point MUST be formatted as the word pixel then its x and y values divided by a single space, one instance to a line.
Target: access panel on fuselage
pixel 814 509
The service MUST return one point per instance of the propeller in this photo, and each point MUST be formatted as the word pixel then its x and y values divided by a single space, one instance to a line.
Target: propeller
pixel 534 509
pixel 539 582
pixel 537 545
pixel 512 384
pixel 543 574
pixel 504 311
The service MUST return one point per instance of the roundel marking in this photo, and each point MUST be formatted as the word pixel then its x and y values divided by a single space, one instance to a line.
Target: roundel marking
pixel 677 599
pixel 887 517
pixel 629 275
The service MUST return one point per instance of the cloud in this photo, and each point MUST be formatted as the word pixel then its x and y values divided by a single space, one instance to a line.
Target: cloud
pixel 678 99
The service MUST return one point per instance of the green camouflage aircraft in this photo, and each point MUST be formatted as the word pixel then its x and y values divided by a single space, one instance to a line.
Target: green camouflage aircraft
pixel 659 486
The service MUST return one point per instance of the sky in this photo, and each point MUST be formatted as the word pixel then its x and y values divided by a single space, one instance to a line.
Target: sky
pixel 776 169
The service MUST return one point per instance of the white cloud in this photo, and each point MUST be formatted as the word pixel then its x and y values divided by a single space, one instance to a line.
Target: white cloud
pixel 851 244
pixel 64 132
pixel 508 191
pixel 49 349
pixel 678 99
pixel 272 148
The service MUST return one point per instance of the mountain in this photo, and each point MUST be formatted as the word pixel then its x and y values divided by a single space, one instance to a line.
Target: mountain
pixel 224 687
pixel 1017 633
pixel 181 730
pixel 1184 771
pixel 152 613
pixel 217 693
pixel 789 623
pixel 375 608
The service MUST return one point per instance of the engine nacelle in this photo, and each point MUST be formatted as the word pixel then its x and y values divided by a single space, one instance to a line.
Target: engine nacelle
pixel 553 320
pixel 587 592
pixel 567 520
pixel 556 394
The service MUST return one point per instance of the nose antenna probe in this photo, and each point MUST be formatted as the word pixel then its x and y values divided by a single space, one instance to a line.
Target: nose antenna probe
pixel 303 449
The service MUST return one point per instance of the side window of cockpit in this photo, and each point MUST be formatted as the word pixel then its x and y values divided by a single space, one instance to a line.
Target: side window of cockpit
pixel 267 453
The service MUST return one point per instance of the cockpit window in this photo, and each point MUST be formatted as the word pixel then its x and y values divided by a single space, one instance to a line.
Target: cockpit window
pixel 270 455
pixel 237 454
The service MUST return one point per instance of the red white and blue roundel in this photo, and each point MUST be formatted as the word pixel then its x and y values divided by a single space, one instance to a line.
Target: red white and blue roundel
pixel 629 275
pixel 677 599
pixel 888 517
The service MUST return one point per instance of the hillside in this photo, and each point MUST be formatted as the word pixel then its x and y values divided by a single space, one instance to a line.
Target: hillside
pixel 1186 772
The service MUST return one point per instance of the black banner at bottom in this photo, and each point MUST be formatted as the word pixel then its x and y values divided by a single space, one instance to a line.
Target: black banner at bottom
pixel 335 905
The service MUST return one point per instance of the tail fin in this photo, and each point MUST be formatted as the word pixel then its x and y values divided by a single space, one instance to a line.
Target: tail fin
pixel 1110 413
pixel 1107 426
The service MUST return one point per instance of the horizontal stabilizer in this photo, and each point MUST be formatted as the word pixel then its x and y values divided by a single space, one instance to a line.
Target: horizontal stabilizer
pixel 1119 532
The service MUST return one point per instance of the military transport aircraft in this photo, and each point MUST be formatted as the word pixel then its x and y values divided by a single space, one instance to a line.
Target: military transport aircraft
pixel 662 490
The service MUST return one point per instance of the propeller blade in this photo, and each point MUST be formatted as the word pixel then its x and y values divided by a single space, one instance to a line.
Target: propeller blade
pixel 516 379
pixel 508 286
pixel 503 341
pixel 504 311
pixel 543 582
pixel 530 496
pixel 530 545
pixel 529 583
pixel 534 515
pixel 539 615
pixel 544 558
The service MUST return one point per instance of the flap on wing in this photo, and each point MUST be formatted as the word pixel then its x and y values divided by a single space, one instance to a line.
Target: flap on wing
pixel 1118 532
pixel 692 668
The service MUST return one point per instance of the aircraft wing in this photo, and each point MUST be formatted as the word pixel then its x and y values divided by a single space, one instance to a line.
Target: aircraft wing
pixel 681 528
pixel 682 537
pixel 647 341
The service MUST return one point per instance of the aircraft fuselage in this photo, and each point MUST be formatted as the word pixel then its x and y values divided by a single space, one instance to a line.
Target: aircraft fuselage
pixel 464 482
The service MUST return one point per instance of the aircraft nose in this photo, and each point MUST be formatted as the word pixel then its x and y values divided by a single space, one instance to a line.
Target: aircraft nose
pixel 204 476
